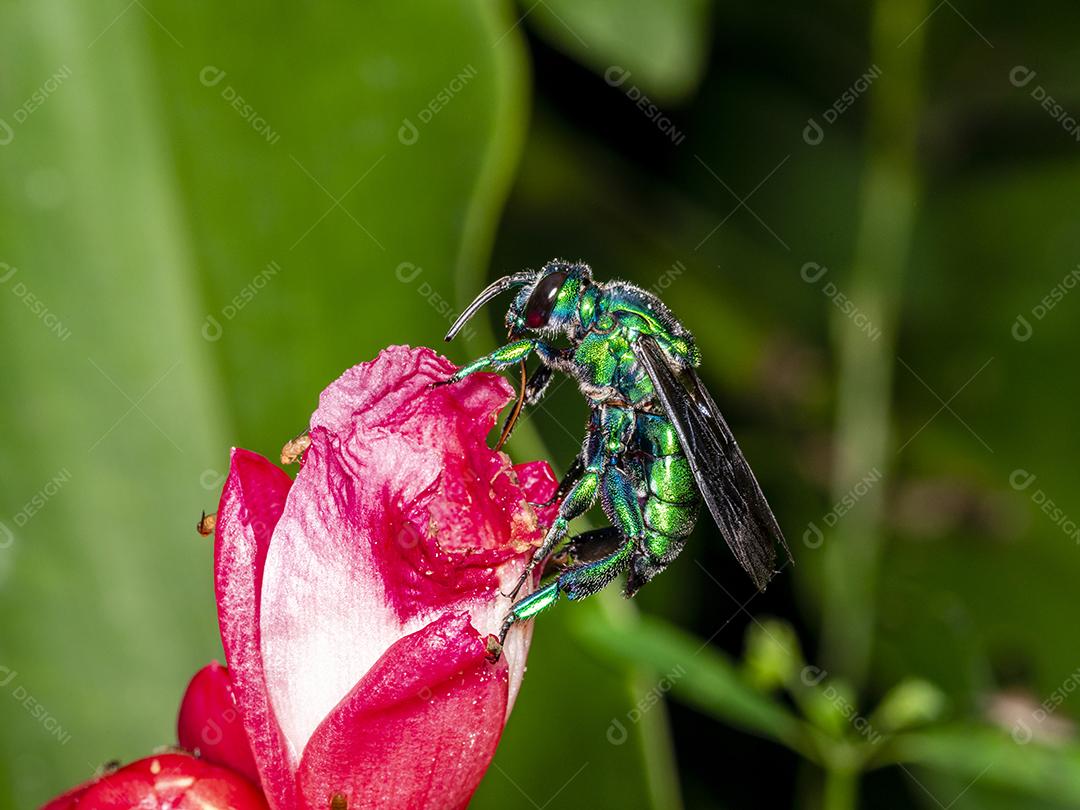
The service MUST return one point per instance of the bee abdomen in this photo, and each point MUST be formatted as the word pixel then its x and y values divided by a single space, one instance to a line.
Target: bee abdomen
pixel 670 519
pixel 671 480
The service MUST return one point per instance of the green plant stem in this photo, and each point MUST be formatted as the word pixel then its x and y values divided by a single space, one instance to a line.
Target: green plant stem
pixel 890 193
pixel 658 747
pixel 841 788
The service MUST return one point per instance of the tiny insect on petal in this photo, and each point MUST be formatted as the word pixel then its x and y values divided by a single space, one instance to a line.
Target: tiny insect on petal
pixel 206 523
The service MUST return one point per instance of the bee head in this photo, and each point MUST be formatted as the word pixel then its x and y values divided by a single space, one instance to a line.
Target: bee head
pixel 546 299
pixel 549 302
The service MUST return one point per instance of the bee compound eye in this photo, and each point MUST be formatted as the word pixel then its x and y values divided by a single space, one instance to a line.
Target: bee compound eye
pixel 542 301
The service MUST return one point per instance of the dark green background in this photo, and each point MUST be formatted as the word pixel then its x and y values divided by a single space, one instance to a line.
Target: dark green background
pixel 136 203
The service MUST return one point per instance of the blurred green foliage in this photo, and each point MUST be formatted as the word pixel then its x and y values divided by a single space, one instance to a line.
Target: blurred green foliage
pixel 207 213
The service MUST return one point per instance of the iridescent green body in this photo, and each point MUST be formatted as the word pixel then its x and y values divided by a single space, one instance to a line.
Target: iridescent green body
pixel 623 341
pixel 670 499
pixel 631 459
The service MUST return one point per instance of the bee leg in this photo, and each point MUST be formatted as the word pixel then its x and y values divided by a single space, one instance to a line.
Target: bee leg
pixel 592 577
pixel 620 503
pixel 503 357
pixel 577 583
pixel 588 547
pixel 531 394
pixel 609 432
pixel 581 496
pixel 538 384
pixel 606 479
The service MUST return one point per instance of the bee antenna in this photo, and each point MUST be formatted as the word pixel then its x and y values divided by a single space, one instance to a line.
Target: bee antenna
pixel 495 288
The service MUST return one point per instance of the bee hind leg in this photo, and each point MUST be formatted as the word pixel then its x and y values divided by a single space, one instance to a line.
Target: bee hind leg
pixel 577 582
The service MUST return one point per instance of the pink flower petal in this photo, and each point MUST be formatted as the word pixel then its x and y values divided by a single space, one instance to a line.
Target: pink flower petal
pixel 400 515
pixel 210 723
pixel 164 782
pixel 538 483
pixel 417 731
pixel 250 507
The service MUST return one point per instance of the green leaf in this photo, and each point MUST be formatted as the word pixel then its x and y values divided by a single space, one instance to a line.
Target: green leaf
pixel 653 46
pixel 992 757
pixel 694 673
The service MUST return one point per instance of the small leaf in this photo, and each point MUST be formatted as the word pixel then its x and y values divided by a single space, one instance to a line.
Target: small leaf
pixel 831 707
pixel 913 702
pixel 773 657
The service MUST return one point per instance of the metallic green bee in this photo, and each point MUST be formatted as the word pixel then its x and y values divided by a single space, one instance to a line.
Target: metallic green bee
pixel 656 444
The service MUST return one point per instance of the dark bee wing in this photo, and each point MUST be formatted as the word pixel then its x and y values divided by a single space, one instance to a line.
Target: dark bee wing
pixel 726 482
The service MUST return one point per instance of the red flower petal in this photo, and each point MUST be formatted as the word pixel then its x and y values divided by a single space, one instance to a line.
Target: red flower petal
pixel 250 507
pixel 400 515
pixel 164 782
pixel 417 731
pixel 210 723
